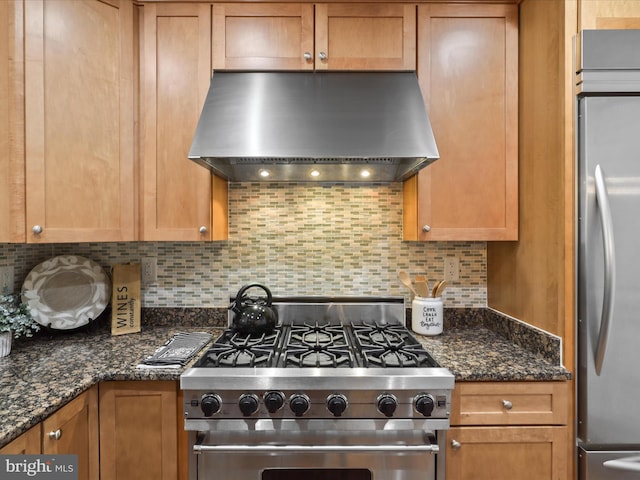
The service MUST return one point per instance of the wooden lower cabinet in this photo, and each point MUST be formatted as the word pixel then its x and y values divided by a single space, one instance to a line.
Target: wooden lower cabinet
pixel 138 434
pixel 26 444
pixel 509 430
pixel 507 453
pixel 73 429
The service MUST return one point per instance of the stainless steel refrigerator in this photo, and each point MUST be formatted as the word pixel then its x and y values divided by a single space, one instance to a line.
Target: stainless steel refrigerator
pixel 609 255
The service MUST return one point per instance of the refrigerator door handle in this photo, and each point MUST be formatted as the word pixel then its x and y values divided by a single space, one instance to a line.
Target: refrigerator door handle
pixel 602 199
pixel 628 464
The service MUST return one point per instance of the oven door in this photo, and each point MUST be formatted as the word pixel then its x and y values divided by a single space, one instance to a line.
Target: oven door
pixel 314 450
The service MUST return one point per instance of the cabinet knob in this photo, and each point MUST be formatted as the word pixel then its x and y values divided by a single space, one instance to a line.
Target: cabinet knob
pixel 307 56
pixel 456 445
pixel 507 404
pixel 322 56
pixel 37 229
pixel 202 229
pixel 55 435
pixel 426 229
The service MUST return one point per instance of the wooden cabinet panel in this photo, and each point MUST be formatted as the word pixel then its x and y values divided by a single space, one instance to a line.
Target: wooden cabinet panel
pixel 12 218
pixel 528 437
pixel 177 193
pixel 74 430
pixel 494 453
pixel 468 72
pixel 608 14
pixel 26 444
pixel 263 36
pixel 138 430
pixel 511 403
pixel 365 37
pixel 334 36
pixel 79 120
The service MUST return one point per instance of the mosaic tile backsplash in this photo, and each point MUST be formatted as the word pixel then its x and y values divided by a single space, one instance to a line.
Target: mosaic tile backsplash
pixel 297 239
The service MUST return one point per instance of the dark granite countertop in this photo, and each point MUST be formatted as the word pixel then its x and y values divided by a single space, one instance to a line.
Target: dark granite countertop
pixel 42 374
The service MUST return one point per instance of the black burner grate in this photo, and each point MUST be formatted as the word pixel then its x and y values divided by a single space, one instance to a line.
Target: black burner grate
pixel 317 345
pixel 234 349
pixel 367 344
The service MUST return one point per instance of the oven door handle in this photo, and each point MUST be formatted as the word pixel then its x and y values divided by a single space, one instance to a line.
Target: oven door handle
pixel 198 449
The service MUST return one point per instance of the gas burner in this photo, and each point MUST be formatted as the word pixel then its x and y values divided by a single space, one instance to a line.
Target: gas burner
pixel 387 345
pixel 233 349
pixel 318 356
pixel 317 335
pixel 317 345
pixel 399 356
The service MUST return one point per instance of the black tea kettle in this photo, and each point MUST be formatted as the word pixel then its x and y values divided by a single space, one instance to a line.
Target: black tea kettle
pixel 253 315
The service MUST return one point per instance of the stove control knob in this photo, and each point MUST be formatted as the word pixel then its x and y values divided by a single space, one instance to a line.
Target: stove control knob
pixel 337 404
pixel 210 404
pixel 273 401
pixel 299 404
pixel 248 404
pixel 424 404
pixel 387 404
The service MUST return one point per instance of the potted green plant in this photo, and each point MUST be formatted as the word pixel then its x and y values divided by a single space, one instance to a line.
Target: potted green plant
pixel 15 321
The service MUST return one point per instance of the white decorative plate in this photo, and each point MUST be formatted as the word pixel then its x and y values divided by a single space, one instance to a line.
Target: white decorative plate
pixel 66 292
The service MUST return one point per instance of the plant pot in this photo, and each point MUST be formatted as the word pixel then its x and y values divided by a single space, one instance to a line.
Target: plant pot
pixel 5 343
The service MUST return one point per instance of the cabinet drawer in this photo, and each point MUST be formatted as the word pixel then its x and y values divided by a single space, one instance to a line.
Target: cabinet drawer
pixel 510 403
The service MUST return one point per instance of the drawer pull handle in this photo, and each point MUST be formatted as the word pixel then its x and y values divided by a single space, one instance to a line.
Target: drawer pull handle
pixel 456 445
pixel 507 404
pixel 55 435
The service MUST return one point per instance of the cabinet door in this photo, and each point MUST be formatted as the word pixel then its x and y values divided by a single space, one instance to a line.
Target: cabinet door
pixel 275 36
pixel 506 453
pixel 181 201
pixel 468 72
pixel 26 444
pixel 365 37
pixel 74 430
pixel 138 430
pixel 12 204
pixel 79 120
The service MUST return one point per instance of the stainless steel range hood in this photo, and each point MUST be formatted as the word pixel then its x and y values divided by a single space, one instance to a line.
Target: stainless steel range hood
pixel 314 126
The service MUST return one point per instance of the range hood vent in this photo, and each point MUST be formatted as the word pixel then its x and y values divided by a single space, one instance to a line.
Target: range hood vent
pixel 314 126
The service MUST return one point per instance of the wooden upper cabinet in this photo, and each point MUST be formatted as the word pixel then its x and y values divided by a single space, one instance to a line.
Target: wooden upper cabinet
pixel 305 37
pixel 468 72
pixel 11 124
pixel 181 201
pixel 79 121
pixel 365 37
pixel 275 36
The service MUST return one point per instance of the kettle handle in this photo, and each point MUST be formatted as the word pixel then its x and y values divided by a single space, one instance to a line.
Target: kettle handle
pixel 239 302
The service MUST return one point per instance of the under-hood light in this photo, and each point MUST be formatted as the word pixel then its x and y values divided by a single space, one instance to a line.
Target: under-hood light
pixel 264 173
pixel 314 173
pixel 365 173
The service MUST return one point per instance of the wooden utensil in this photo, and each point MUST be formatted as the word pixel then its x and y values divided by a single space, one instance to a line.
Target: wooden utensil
pixel 406 281
pixel 422 285
pixel 440 289
pixel 435 287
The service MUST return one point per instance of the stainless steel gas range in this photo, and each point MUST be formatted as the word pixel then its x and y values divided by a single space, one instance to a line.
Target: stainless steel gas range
pixel 340 389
